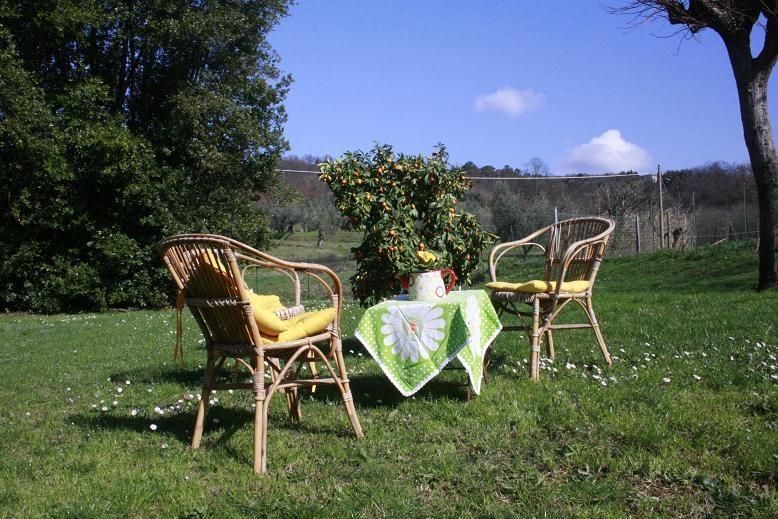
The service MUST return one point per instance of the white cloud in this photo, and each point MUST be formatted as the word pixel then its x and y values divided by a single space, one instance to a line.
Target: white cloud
pixel 607 153
pixel 510 101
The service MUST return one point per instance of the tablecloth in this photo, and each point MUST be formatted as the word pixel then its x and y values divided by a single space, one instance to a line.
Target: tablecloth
pixel 413 340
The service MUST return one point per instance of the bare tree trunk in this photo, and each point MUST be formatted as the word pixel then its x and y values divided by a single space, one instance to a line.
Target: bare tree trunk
pixel 757 130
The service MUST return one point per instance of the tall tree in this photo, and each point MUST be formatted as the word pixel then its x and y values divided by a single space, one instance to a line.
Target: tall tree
pixel 734 21
pixel 535 167
pixel 122 121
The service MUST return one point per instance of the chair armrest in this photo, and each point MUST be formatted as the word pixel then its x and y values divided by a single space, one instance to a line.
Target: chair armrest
pixel 254 263
pixel 292 269
pixel 254 256
pixel 573 250
pixel 500 249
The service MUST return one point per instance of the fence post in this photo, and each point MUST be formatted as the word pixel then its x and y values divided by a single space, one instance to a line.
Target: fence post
pixel 637 234
pixel 556 216
pixel 694 222
pixel 653 229
pixel 745 212
pixel 661 208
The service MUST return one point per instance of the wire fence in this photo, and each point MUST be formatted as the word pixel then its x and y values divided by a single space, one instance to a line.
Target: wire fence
pixel 683 230
pixel 682 227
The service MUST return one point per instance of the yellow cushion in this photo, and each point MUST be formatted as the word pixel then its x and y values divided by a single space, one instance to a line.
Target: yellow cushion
pixel 212 260
pixel 206 265
pixel 268 302
pixel 303 325
pixel 537 286
pixel 264 308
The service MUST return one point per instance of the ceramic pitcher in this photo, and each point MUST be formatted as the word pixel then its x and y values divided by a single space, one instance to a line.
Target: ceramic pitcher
pixel 429 285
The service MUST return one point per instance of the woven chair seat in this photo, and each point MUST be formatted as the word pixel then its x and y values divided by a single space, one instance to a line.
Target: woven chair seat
pixel 512 297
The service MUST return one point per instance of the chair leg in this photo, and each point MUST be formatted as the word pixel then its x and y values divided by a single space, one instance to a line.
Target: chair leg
pixel 260 436
pixel 597 332
pixel 313 370
pixel 202 407
pixel 260 419
pixel 293 401
pixel 348 399
pixel 535 342
pixel 351 411
pixel 550 344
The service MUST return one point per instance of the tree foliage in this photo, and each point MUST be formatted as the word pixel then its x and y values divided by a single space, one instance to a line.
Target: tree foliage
pixel 403 204
pixel 123 122
pixel 515 215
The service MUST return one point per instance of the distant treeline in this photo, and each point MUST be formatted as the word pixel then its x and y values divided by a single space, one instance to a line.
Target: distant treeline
pixel 700 201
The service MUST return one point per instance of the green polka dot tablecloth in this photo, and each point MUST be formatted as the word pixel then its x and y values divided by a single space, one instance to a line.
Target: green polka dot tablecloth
pixel 413 340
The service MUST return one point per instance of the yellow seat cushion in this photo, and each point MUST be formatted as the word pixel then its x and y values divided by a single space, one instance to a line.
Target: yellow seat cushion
pixel 537 286
pixel 303 325
pixel 264 308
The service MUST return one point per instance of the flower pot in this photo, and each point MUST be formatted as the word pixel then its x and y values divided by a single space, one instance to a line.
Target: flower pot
pixel 429 285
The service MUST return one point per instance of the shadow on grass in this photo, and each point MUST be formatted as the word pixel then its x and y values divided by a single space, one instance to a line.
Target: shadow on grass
pixel 186 376
pixel 352 348
pixel 376 391
pixel 221 423
pixel 179 425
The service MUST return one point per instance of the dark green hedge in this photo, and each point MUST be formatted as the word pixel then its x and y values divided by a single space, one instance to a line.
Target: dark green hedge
pixel 121 124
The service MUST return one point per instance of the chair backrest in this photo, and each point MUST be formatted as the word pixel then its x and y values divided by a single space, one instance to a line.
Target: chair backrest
pixel 591 236
pixel 206 270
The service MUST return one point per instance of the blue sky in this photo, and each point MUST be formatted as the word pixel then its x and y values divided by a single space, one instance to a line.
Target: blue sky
pixel 500 82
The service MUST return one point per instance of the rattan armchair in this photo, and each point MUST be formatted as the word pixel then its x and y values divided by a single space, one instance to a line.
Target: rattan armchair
pixel 207 270
pixel 573 252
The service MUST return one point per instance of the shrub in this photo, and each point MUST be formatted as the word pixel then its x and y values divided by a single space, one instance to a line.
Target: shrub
pixel 402 202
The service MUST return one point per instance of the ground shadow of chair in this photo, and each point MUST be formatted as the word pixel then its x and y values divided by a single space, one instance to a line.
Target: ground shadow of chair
pixel 573 252
pixel 234 321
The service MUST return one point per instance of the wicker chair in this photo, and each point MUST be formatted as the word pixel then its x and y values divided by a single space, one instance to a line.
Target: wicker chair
pixel 206 269
pixel 573 253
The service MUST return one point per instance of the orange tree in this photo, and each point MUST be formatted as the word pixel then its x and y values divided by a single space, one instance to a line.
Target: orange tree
pixel 403 204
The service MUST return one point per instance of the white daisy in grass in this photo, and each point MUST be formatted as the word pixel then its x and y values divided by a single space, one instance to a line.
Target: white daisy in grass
pixel 473 320
pixel 413 331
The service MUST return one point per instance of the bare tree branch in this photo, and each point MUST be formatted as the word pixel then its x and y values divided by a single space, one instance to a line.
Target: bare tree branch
pixel 674 11
pixel 726 17
pixel 765 61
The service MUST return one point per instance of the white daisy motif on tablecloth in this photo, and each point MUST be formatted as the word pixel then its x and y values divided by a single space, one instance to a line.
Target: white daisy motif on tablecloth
pixel 413 331
pixel 473 320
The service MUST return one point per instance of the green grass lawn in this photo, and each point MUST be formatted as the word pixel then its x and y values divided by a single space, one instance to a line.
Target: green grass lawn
pixel 685 422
